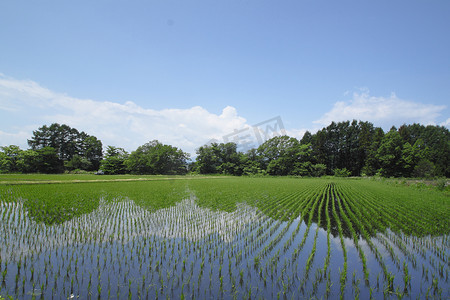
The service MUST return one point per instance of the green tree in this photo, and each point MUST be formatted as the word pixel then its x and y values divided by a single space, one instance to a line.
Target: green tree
pixel 343 145
pixel 78 162
pixel 9 157
pixel 68 142
pixel 389 154
pixel 219 158
pixel 411 155
pixel 307 138
pixel 318 170
pixel 28 161
pixel 48 161
pixel 436 139
pixel 251 162
pixel 372 164
pixel 91 149
pixel 319 149
pixel 157 158
pixel 424 169
pixel 114 161
pixel 283 155
pixel 208 159
pixel 229 159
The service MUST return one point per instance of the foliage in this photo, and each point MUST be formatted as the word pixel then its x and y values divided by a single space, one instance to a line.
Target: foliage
pixel 359 147
pixel 68 142
pixel 436 141
pixel 77 162
pixel 43 160
pixel 341 172
pixel 48 161
pixel 114 161
pixel 284 156
pixel 318 170
pixel 157 158
pixel 219 158
pixel 424 169
pixel 343 145
pixel 9 157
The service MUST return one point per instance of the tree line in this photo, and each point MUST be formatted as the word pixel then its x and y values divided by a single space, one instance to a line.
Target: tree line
pixel 340 149
pixel 60 148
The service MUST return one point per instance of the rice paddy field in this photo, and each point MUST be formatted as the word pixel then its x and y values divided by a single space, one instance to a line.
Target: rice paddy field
pixel 91 237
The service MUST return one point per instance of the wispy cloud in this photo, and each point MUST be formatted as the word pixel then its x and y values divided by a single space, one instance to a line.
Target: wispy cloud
pixel 382 111
pixel 17 138
pixel 446 123
pixel 121 124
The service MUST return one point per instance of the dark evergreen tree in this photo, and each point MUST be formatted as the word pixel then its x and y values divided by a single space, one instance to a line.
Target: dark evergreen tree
pixel 114 161
pixel 68 142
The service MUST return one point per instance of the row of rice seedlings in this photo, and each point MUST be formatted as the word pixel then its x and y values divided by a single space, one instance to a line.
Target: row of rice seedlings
pixel 276 258
pixel 294 206
pixel 273 259
pixel 310 213
pixel 405 248
pixel 425 212
pixel 438 249
pixel 257 258
pixel 369 213
pixel 402 267
pixel 433 249
pixel 307 212
pixel 328 256
pixel 276 254
pixel 311 256
pixel 304 202
pixel 343 272
pixel 149 253
pixel 360 221
pixel 366 213
pixel 251 247
pixel 258 240
pixel 361 216
pixel 386 215
pixel 349 224
pixel 126 226
pixel 363 210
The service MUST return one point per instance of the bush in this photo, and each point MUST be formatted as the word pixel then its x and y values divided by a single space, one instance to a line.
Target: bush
pixel 424 169
pixel 318 170
pixel 441 184
pixel 341 172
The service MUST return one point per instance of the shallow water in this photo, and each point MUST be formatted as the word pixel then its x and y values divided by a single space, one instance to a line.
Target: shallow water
pixel 122 250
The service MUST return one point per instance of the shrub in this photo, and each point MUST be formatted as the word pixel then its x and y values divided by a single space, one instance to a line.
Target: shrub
pixel 341 172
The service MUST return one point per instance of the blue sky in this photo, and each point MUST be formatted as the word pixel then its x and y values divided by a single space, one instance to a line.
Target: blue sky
pixel 185 72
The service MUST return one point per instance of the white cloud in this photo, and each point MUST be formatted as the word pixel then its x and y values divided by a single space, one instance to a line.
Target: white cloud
pixel 125 125
pixel 19 138
pixel 296 133
pixel 446 123
pixel 382 111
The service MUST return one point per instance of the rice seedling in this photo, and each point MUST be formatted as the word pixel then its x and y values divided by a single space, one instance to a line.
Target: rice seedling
pixel 223 237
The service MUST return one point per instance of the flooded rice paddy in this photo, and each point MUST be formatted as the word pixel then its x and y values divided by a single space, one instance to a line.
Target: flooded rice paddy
pixel 121 250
